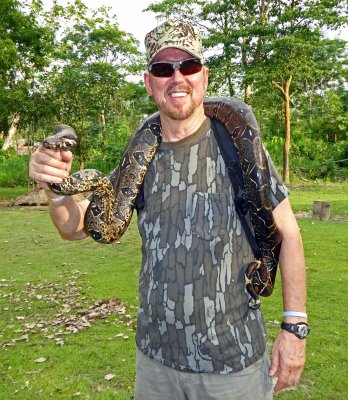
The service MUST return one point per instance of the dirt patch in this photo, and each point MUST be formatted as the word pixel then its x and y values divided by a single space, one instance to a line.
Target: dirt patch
pixel 308 215
pixel 34 198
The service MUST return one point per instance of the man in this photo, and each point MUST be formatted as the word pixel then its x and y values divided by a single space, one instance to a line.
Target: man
pixel 196 336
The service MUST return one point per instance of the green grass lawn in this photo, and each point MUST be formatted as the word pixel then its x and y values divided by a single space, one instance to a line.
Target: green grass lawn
pixel 41 275
pixel 9 193
pixel 326 250
pixel 303 195
pixel 46 284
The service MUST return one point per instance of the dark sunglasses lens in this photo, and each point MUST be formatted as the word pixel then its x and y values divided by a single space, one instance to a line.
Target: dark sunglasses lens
pixel 166 70
pixel 190 67
pixel 162 70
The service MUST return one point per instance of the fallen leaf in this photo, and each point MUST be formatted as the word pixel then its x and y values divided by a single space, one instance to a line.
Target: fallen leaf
pixel 108 377
pixel 41 360
pixel 59 341
pixel 29 326
pixel 24 337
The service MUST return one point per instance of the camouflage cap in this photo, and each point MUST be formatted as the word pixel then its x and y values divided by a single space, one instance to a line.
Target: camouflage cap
pixel 176 34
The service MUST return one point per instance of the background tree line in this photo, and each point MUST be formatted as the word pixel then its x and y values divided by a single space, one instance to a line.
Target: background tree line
pixel 74 65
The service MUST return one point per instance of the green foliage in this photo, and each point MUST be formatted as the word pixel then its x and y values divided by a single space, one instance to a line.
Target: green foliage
pixel 89 88
pixel 312 159
pixel 72 65
pixel 13 169
pixel 109 148
pixel 330 121
pixel 25 48
pixel 83 82
pixel 271 52
pixel 9 153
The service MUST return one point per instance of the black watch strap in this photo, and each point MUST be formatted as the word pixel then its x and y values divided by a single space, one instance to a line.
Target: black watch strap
pixel 299 329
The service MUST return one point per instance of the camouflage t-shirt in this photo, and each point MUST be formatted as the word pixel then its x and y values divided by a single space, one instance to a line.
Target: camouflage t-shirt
pixel 194 313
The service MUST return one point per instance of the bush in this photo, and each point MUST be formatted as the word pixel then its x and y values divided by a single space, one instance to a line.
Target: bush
pixel 9 153
pixel 310 158
pixel 109 148
pixel 13 169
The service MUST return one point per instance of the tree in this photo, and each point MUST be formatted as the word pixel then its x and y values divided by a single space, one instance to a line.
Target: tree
pixel 260 44
pixel 328 71
pixel 25 48
pixel 331 120
pixel 86 86
pixel 291 53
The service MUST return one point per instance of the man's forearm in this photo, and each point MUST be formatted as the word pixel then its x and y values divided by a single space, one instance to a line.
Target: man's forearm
pixel 68 217
pixel 292 262
pixel 293 272
pixel 289 352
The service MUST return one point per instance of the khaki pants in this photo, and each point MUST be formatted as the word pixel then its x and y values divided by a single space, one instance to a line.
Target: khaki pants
pixel 155 381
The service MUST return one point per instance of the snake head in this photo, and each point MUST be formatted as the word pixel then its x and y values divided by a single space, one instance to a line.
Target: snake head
pixel 64 139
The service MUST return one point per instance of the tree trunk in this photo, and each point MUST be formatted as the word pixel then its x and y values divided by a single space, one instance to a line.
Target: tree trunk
pixel 247 93
pixel 286 170
pixel 310 107
pixel 102 120
pixel 310 110
pixel 230 85
pixel 285 90
pixel 9 141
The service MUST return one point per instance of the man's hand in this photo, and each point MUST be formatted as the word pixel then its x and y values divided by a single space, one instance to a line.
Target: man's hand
pixel 48 166
pixel 288 360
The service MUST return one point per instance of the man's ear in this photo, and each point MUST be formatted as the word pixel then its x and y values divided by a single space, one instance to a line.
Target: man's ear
pixel 206 75
pixel 147 83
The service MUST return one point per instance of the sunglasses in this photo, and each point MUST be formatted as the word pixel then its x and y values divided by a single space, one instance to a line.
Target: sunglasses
pixel 166 69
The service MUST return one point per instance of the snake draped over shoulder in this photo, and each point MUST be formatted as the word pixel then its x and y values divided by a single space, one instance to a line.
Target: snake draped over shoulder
pixel 113 198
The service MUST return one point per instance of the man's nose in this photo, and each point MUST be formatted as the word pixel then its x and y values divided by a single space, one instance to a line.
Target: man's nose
pixel 177 75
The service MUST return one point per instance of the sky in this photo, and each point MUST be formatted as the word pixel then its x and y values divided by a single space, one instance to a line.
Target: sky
pixel 129 14
pixel 132 19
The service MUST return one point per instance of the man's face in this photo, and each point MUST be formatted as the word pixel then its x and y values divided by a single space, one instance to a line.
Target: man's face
pixel 178 96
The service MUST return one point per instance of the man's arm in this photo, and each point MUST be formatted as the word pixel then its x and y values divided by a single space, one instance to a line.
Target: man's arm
pixel 47 166
pixel 289 352
pixel 68 217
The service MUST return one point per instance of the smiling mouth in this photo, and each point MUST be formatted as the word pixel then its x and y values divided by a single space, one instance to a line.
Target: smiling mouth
pixel 178 94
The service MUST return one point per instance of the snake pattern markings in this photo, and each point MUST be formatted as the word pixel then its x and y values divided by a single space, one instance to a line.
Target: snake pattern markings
pixel 113 198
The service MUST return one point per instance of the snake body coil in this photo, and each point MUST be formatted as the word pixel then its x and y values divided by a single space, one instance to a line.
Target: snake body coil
pixel 112 200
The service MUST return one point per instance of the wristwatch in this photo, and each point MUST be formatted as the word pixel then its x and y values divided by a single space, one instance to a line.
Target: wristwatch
pixel 300 329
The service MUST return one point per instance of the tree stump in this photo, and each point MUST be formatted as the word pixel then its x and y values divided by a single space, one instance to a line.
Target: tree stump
pixel 321 210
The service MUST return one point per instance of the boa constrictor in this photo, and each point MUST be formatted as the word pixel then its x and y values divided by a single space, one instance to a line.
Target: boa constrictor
pixel 113 198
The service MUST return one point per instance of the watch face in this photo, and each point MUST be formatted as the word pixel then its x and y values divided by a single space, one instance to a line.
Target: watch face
pixel 302 330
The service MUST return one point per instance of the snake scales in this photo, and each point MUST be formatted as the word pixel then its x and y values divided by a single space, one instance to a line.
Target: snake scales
pixel 112 200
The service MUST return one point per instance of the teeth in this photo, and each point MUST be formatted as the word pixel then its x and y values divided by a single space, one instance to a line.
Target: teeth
pixel 178 94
